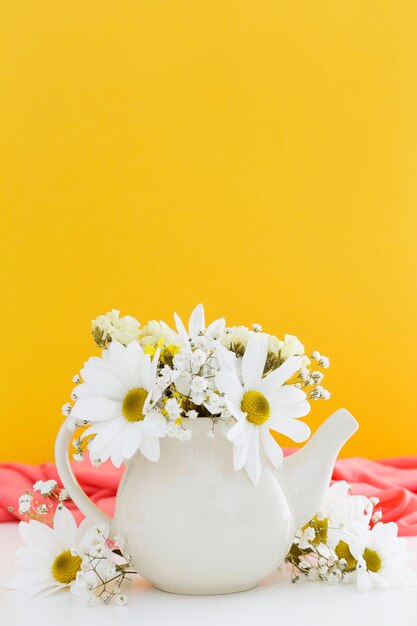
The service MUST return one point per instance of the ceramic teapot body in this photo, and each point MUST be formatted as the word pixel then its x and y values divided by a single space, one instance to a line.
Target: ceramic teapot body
pixel 193 525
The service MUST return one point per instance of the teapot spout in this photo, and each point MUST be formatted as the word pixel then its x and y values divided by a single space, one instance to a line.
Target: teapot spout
pixel 307 473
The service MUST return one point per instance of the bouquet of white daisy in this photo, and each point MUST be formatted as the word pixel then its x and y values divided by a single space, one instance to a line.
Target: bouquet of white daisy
pixel 152 379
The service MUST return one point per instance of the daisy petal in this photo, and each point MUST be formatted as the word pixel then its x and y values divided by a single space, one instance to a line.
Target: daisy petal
pixel 182 331
pixel 284 396
pixel 135 363
pixel 253 361
pixel 149 447
pixel 226 359
pixel 228 383
pixel 102 383
pixel 235 432
pixel 40 535
pixel 271 447
pixel 132 439
pixel 253 461
pixel 196 325
pixel 155 424
pixel 105 434
pixel 240 448
pixel 363 581
pixel 283 373
pixel 216 328
pixel 65 527
pixel 96 409
pixel 297 431
pixel 300 409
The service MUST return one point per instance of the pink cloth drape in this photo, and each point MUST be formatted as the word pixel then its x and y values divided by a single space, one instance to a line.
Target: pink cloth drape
pixel 393 481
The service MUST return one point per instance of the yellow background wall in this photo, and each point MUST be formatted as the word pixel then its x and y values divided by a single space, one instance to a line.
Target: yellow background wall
pixel 259 156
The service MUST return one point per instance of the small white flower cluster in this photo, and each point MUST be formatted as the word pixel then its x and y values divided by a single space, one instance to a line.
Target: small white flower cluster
pixel 103 568
pixel 40 507
pixel 347 542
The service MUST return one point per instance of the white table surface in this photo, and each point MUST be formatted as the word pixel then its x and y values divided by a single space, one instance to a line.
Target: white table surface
pixel 276 601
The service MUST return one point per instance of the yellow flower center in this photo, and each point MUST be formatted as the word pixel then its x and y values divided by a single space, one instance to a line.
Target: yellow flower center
pixel 256 407
pixel 65 567
pixel 133 404
pixel 372 560
pixel 343 552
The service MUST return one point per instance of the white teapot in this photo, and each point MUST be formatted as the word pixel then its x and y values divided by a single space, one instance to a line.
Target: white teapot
pixel 193 525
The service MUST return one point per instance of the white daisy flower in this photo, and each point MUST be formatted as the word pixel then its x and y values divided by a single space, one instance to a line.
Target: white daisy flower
pixel 197 325
pixel 259 404
pixel 381 556
pixel 47 559
pixel 341 510
pixel 118 396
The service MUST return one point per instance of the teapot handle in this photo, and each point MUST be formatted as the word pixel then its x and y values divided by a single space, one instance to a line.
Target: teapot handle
pixel 77 495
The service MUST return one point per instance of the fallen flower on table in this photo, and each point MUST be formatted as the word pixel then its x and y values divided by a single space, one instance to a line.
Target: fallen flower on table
pixel 347 542
pixel 60 555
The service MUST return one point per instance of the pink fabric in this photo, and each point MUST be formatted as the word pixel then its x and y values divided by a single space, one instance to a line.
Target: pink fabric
pixel 393 481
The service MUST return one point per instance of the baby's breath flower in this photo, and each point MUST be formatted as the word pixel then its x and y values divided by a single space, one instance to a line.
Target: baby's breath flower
pixel 46 487
pixel 121 599
pixel 198 358
pixel 305 537
pixel 66 409
pixel 334 576
pixel 173 409
pixel 184 434
pixel 25 504
pixel 317 377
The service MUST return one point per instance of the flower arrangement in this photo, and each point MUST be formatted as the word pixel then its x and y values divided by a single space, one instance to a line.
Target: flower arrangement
pixel 151 380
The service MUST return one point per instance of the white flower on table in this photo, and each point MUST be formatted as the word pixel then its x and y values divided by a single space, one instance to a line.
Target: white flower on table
pixel 48 559
pixel 259 403
pixel 339 510
pixel 381 557
pixel 118 397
